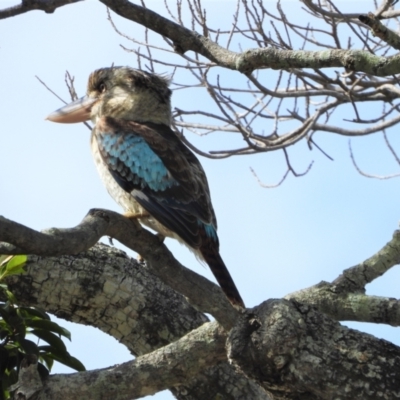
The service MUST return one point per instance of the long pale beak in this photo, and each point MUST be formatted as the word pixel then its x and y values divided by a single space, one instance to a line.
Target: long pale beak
pixel 77 111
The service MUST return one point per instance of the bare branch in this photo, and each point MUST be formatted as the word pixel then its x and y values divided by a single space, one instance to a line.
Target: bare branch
pixel 380 30
pixel 48 6
pixel 185 40
pixel 273 186
pixel 361 172
pixel 236 114
pixel 321 11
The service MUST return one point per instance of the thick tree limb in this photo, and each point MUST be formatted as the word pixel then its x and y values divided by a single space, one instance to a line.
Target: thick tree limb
pixel 343 299
pixel 166 367
pixel 203 294
pixel 287 343
pixel 306 355
pixel 106 289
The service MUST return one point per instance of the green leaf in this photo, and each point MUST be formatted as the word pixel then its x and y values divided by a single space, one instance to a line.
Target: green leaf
pixel 16 270
pixel 14 323
pixel 48 326
pixel 53 351
pixel 3 259
pixel 33 312
pixel 13 361
pixel 43 371
pixel 28 346
pixel 10 297
pixel 3 271
pixel 4 312
pixel 49 361
pixel 4 356
pixel 5 329
pixel 15 264
pixel 53 340
pixel 6 382
pixel 69 361
pixel 13 267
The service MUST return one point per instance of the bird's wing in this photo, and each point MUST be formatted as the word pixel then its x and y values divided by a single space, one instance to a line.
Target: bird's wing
pixel 164 177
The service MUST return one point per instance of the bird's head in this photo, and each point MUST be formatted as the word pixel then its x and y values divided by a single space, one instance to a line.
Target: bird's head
pixel 122 93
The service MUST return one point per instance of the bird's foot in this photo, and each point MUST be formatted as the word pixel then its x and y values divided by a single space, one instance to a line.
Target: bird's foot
pixel 136 215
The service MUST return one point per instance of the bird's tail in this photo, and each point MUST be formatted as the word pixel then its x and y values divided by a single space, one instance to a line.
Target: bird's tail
pixel 210 254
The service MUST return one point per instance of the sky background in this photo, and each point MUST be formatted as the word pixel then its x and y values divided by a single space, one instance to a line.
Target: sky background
pixel 274 241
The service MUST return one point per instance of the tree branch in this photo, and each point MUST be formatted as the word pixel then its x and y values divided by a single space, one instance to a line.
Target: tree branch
pixel 307 356
pixel 372 268
pixel 203 294
pixel 345 300
pixel 169 366
pixel 250 60
pixel 345 89
pixel 106 289
pixel 380 30
pixel 48 6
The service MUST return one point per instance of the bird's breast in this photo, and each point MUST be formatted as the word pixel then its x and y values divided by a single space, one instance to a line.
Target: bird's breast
pixel 123 198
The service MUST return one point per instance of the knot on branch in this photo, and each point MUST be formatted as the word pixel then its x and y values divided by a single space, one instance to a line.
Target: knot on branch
pixel 99 213
pixel 293 351
pixel 29 381
pixel 47 6
pixel 245 61
pixel 265 340
pixel 381 31
pixel 178 49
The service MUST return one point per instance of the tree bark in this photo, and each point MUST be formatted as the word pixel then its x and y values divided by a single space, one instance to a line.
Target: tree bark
pixel 295 352
pixel 106 289
pixel 290 349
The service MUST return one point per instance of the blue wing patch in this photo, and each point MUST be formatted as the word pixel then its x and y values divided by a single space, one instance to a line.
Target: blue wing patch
pixel 130 157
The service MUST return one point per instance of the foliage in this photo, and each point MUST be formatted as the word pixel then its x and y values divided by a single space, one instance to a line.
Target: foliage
pixel 16 322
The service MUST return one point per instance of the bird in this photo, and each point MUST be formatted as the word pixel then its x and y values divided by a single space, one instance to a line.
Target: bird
pixel 145 166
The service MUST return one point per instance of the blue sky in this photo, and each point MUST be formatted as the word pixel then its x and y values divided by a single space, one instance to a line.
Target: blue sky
pixel 274 241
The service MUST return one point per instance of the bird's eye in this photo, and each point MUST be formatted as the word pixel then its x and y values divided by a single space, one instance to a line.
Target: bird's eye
pixel 101 87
